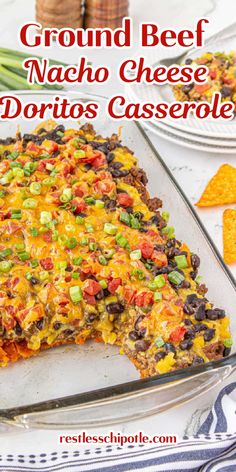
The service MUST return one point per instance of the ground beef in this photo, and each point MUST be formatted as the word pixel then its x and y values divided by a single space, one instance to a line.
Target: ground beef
pixel 214 351
pixel 88 128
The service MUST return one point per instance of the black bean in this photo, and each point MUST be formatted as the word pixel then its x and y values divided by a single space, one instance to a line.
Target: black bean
pixel 185 284
pixel 200 313
pixel 209 334
pixel 188 309
pixel 188 61
pixel 57 325
pixel 187 322
pixel 195 261
pixel 227 351
pixel 193 274
pixel 110 204
pixel 34 281
pixel 103 148
pixel 10 294
pixel 106 292
pixel 139 215
pixel 191 298
pixel 189 334
pixel 142 345
pixel 169 347
pixel 39 324
pixel 134 336
pixel 110 157
pixel 171 243
pixel 159 247
pixel 115 307
pixel 143 230
pixel 160 355
pixel 197 360
pixel 116 173
pixel 226 91
pixel 116 165
pixel 90 317
pixel 18 329
pixel 186 344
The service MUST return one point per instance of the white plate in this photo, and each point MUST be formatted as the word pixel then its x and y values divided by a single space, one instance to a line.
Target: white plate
pixel 153 93
pixel 189 143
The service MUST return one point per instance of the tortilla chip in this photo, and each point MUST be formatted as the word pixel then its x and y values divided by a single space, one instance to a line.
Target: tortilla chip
pixel 229 236
pixel 221 189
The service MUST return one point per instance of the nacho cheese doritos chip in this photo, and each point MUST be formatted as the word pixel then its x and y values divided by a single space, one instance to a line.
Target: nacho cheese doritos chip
pixel 221 189
pixel 229 236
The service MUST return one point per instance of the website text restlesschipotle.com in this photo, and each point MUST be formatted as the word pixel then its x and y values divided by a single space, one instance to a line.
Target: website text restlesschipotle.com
pixel 117 438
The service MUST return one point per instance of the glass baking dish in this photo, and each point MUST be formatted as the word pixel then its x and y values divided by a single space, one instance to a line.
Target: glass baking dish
pixel 92 385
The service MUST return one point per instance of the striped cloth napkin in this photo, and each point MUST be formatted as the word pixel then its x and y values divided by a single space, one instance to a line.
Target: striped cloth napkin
pixel 212 449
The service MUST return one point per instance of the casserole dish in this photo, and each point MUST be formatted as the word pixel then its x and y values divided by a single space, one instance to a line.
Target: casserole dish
pixel 84 386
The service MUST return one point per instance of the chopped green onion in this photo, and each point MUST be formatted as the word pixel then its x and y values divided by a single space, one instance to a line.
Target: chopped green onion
pixel 160 280
pixel 20 247
pixel 30 203
pixel 13 165
pixel 61 265
pixel 102 260
pixel 79 154
pixel 152 285
pixel 108 253
pixel 30 167
pixel 35 188
pixel 55 235
pixel 89 227
pixel 89 200
pixel 43 275
pixel 16 214
pixel 13 155
pixel 79 220
pixel 135 255
pixel 228 342
pixel 34 263
pixel 18 172
pixel 60 133
pixel 49 181
pixel 159 341
pixel 134 222
pixel 66 195
pixel 181 261
pixel 6 252
pixel 198 279
pixel 5 266
pixel 75 275
pixel 99 204
pixel 28 275
pixel 84 241
pixel 138 273
pixel 165 215
pixel 75 294
pixel 109 228
pixel 125 218
pixel 157 296
pixel 103 283
pixel 45 217
pixel 121 240
pixel 92 246
pixel 77 260
pixel 175 277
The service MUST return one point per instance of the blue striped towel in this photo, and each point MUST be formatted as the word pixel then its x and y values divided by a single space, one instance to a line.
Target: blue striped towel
pixel 212 449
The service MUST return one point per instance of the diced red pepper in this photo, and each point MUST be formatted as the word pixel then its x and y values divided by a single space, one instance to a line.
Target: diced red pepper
pixel 99 161
pixel 178 334
pixel 114 284
pixel 159 258
pixel 89 298
pixel 33 148
pixel 92 287
pixel 46 263
pixel 147 249
pixel 47 237
pixel 125 200
pixel 144 299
